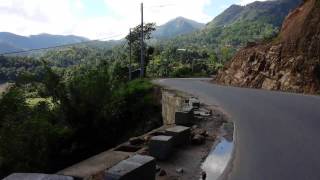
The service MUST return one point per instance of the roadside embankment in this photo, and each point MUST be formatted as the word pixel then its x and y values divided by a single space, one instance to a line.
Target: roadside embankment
pixel 181 149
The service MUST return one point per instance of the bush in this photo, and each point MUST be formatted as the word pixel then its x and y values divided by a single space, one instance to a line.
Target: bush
pixel 29 140
pixel 182 71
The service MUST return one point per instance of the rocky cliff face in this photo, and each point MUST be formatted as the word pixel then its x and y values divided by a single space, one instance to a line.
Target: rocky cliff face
pixel 289 63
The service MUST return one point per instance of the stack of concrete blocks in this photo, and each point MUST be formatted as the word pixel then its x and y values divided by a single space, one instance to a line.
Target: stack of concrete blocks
pixel 194 103
pixel 137 167
pixel 36 176
pixel 184 117
pixel 181 135
pixel 161 147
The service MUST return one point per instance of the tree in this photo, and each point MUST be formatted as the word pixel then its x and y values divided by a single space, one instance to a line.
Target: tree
pixel 134 40
pixel 226 53
pixel 136 33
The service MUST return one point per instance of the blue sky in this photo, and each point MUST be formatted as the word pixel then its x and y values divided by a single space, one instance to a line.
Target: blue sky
pixel 216 7
pixel 98 19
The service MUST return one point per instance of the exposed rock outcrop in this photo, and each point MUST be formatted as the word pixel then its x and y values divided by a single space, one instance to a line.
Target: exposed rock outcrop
pixel 289 63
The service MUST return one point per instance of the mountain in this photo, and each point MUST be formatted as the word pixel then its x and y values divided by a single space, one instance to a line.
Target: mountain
pixel 10 42
pixel 176 27
pixel 271 12
pixel 5 47
pixel 291 62
pixel 238 25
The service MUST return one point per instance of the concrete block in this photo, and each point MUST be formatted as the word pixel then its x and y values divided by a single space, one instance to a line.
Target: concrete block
pixel 194 102
pixel 36 176
pixel 184 118
pixel 187 109
pixel 135 168
pixel 96 165
pixel 161 147
pixel 180 134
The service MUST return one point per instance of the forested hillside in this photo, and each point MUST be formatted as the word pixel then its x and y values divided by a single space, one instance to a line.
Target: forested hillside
pixel 238 25
pixel 271 12
pixel 12 67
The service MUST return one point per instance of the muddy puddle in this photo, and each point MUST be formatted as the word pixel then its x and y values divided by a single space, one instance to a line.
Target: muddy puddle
pixel 218 159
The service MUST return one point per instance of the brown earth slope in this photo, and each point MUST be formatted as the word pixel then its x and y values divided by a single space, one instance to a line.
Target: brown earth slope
pixel 289 63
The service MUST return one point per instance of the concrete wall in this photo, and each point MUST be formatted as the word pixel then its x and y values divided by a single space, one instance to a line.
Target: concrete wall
pixel 171 103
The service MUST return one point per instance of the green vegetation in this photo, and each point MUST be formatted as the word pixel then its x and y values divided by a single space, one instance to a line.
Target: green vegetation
pixel 227 33
pixel 318 3
pixel 67 115
pixel 205 51
pixel 233 37
pixel 174 62
pixel 36 101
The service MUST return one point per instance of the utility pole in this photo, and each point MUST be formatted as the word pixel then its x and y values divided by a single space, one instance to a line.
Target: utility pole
pixel 130 56
pixel 142 45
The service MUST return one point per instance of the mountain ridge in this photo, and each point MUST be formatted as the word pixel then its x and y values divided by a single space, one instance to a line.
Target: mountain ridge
pixel 175 27
pixel 10 42
pixel 258 10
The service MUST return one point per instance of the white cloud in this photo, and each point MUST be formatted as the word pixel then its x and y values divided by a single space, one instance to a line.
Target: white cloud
pixel 79 5
pixel 36 16
pixel 26 17
pixel 160 11
pixel 101 27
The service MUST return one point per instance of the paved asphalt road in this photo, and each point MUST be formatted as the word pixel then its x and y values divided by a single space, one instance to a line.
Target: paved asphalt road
pixel 277 134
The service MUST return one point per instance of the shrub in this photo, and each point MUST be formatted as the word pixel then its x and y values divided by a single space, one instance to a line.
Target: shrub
pixel 29 139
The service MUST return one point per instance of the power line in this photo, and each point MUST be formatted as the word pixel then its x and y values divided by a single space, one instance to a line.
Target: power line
pixel 60 46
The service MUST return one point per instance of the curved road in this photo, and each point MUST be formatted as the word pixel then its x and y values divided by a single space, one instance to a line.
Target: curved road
pixel 277 135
